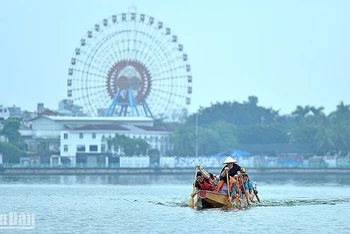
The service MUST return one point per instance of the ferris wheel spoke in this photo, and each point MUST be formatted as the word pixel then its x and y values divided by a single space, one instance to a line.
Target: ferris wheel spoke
pixel 89 69
pixel 165 61
pixel 90 73
pixel 144 28
pixel 182 77
pixel 159 50
pixel 160 72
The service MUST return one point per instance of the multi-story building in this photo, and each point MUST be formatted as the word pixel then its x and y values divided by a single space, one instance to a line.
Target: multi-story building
pixel 87 136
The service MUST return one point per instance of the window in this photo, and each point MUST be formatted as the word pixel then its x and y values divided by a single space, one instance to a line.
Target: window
pixel 81 136
pixel 93 148
pixel 80 148
pixel 65 136
pixel 93 135
pixel 65 148
pixel 103 148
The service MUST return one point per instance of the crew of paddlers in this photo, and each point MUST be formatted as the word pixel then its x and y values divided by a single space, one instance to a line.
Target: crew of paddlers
pixel 239 188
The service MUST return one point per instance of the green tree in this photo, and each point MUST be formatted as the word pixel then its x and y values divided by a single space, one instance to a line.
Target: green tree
pixel 129 146
pixel 11 131
pixel 324 141
pixel 11 154
pixel 258 134
pixel 227 134
pixel 340 123
pixel 142 146
pixel 184 140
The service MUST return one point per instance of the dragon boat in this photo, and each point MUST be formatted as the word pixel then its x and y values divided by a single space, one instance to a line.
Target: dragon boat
pixel 208 199
pixel 206 188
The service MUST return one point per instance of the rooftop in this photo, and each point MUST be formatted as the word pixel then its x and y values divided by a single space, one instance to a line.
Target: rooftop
pixel 83 118
pixel 100 127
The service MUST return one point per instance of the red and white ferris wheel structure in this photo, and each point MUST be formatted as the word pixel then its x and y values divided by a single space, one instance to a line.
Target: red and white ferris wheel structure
pixel 130 65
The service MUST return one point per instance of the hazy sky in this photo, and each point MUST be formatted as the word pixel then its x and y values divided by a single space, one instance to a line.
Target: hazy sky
pixel 287 53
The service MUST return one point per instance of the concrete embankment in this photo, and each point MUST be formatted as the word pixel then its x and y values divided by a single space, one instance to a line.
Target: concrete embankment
pixel 160 171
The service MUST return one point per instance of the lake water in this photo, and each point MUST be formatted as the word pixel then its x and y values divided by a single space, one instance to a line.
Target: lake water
pixel 158 204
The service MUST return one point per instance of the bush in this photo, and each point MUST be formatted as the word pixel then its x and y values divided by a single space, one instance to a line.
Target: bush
pixel 10 153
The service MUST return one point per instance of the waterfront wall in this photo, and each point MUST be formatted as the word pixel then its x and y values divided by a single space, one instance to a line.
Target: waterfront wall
pixel 160 171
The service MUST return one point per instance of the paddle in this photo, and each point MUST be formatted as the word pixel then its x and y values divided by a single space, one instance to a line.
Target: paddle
pixel 256 193
pixel 229 204
pixel 191 201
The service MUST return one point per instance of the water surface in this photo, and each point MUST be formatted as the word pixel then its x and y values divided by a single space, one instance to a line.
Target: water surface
pixel 158 204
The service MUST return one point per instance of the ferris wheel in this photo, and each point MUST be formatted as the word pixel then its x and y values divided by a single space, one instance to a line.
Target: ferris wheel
pixel 130 65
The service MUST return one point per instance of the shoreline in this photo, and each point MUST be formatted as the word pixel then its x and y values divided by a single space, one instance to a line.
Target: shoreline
pixel 160 171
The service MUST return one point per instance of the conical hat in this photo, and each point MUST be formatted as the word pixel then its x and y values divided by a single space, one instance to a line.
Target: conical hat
pixel 229 159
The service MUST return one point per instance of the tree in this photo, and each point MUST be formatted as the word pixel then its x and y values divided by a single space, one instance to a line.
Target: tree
pixel 11 154
pixel 227 133
pixel 301 112
pixel 129 146
pixel 257 134
pixel 340 123
pixel 324 141
pixel 10 130
pixel 253 100
pixel 183 139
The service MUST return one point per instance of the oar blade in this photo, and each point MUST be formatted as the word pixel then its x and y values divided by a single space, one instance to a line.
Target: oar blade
pixel 191 202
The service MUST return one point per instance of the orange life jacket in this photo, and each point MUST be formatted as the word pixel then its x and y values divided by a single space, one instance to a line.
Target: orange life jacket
pixel 221 183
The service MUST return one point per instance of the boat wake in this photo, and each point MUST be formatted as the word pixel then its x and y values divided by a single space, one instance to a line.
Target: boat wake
pixel 271 203
pixel 264 203
pixel 302 202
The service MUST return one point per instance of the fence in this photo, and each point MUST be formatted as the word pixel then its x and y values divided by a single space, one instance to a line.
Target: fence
pixel 256 161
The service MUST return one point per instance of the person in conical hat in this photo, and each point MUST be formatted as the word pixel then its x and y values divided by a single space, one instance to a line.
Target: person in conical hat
pixel 229 159
pixel 231 166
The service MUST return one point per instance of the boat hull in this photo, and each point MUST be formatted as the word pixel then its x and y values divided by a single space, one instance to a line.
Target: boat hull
pixel 209 199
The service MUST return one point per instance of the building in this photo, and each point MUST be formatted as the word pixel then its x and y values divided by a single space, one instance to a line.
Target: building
pixel 40 108
pixel 15 112
pixel 68 108
pixel 87 136
pixel 4 113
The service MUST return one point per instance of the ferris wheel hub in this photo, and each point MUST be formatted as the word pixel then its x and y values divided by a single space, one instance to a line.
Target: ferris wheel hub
pixel 125 75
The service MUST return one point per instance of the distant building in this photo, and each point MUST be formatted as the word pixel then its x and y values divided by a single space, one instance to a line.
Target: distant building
pixel 88 135
pixel 66 107
pixel 4 113
pixel 40 108
pixel 15 112
pixel 10 112
pixel 92 139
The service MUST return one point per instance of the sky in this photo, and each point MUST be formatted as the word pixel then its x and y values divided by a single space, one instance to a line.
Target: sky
pixel 287 53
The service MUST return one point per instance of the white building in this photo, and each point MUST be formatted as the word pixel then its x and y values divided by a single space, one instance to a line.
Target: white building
pixel 92 139
pixel 4 113
pixel 88 135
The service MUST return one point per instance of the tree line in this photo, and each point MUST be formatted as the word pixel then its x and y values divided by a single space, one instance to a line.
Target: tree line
pixel 223 126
